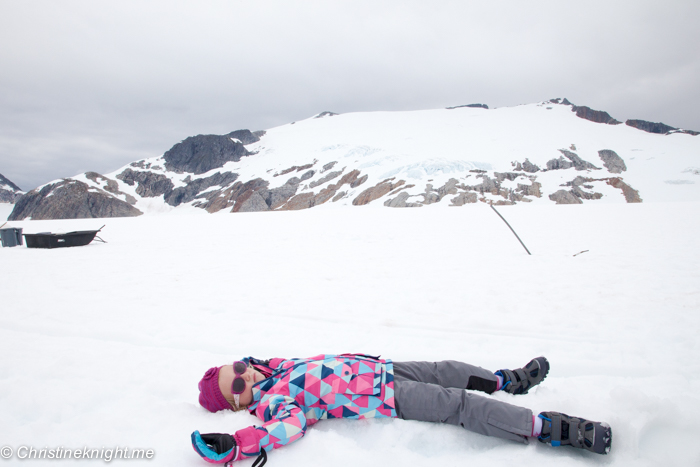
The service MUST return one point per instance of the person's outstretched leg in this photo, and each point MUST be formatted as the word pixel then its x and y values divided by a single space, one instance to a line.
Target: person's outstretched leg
pixel 448 374
pixel 434 403
pixel 559 429
pixel 521 380
pixel 453 374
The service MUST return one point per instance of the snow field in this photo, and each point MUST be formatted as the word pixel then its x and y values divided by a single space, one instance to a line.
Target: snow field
pixel 104 344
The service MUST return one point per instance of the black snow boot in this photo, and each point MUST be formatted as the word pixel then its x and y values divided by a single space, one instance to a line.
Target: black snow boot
pixel 521 380
pixel 559 429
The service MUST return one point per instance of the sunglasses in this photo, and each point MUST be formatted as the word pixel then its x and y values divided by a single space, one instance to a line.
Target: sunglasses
pixel 238 383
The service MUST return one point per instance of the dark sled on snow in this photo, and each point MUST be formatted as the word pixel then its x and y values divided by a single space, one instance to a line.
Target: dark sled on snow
pixel 56 240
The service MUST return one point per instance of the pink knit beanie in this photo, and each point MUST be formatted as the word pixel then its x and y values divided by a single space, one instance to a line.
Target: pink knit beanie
pixel 210 396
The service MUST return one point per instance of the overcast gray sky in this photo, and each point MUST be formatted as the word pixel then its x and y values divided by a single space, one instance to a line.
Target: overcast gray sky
pixel 93 85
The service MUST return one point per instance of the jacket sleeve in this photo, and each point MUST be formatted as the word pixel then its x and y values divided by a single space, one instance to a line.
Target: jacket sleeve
pixel 276 362
pixel 284 422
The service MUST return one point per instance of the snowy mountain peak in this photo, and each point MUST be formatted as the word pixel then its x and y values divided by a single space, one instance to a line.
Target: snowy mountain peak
pixel 548 152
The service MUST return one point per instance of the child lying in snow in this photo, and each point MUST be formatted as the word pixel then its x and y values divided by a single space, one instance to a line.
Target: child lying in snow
pixel 291 395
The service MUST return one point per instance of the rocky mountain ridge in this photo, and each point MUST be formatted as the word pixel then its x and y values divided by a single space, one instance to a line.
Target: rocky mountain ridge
pixel 9 192
pixel 456 156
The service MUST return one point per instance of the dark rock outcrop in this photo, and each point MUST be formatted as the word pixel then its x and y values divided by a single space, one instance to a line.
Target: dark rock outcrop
pixel 328 166
pixel 612 161
pixel 301 201
pixel 189 192
pixel 359 181
pixel 597 116
pixel 7 196
pixel 110 186
pixel 631 195
pixel 304 200
pixel 561 101
pixel 527 166
pixel 500 176
pixel 400 202
pixel 487 185
pixel 245 136
pixel 202 153
pixel 659 128
pixel 325 178
pixel 239 194
pixel 559 164
pixel 463 198
pixel 577 188
pixel 326 114
pixel 581 193
pixel 70 199
pixel 214 201
pixel 401 188
pixel 97 178
pixel 476 106
pixel 574 161
pixel 9 192
pixel 650 127
pixel 253 203
pixel 142 164
pixel 298 168
pixel 565 197
pixel 351 178
pixel 534 189
pixel 5 181
pixel 150 184
pixel 432 195
pixel 278 196
pixel 255 195
pixel 375 192
pixel 493 186
pixel 578 163
pixel 398 197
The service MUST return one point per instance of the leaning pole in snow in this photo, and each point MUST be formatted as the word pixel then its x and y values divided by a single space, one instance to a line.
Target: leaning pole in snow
pixel 511 228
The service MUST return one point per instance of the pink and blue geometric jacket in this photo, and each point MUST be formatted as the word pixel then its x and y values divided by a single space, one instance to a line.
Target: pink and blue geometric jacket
pixel 300 392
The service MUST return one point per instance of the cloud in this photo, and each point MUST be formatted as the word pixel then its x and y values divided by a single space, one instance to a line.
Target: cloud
pixel 93 85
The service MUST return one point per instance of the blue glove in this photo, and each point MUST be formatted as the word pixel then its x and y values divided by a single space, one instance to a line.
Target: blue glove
pixel 217 448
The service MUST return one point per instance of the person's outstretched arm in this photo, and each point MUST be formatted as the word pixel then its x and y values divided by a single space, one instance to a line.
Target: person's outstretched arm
pixel 284 422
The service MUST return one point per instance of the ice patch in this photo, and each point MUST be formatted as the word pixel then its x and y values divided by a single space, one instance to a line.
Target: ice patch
pixel 434 167
pixel 361 151
pixel 333 147
pixel 679 182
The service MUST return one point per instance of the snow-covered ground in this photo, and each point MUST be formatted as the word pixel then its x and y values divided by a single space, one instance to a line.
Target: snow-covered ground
pixel 103 345
pixel 5 210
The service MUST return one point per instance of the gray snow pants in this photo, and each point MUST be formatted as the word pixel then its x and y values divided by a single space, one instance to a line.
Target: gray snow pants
pixel 435 392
